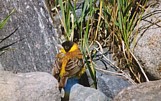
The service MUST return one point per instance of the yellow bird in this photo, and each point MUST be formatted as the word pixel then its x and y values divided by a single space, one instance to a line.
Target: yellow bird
pixel 69 63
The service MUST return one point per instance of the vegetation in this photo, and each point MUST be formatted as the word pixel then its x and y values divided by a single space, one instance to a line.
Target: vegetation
pixel 104 24
pixel 4 48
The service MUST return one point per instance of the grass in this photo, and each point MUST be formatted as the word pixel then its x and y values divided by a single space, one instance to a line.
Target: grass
pixel 4 48
pixel 4 21
pixel 107 24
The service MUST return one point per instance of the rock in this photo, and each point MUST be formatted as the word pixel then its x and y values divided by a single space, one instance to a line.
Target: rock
pixel 80 93
pixel 111 85
pixel 149 91
pixel 1 67
pixel 36 52
pixel 34 86
pixel 148 46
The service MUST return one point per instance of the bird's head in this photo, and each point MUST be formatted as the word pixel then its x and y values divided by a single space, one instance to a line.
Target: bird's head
pixel 69 46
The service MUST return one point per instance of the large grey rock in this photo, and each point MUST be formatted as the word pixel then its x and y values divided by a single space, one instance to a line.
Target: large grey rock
pixel 80 93
pixel 34 86
pixel 149 91
pixel 36 52
pixel 1 67
pixel 111 85
pixel 148 48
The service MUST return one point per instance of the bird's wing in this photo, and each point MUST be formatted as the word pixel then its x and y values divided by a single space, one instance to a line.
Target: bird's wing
pixel 73 66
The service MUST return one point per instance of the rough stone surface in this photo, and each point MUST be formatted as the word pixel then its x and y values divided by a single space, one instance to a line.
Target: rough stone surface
pixel 34 86
pixel 80 93
pixel 149 91
pixel 148 48
pixel 1 67
pixel 111 85
pixel 36 52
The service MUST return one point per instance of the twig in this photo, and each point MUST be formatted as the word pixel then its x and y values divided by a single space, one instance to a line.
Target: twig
pixel 99 19
pixel 101 49
pixel 123 73
pixel 114 73
pixel 140 66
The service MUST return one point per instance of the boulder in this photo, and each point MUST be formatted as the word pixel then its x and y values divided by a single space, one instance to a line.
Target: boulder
pixel 1 67
pixel 111 85
pixel 148 46
pixel 34 86
pixel 37 49
pixel 149 91
pixel 81 93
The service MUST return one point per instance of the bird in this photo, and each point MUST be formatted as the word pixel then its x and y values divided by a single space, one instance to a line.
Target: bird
pixel 69 68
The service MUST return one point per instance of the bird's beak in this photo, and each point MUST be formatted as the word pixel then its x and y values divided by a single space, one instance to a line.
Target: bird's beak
pixel 60 48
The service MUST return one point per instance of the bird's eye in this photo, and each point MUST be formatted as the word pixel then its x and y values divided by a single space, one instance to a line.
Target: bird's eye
pixel 66 47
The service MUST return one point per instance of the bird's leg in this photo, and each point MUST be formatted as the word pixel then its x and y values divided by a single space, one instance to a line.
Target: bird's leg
pixel 62 82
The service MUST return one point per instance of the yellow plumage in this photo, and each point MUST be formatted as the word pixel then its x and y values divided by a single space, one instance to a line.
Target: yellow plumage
pixel 69 63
